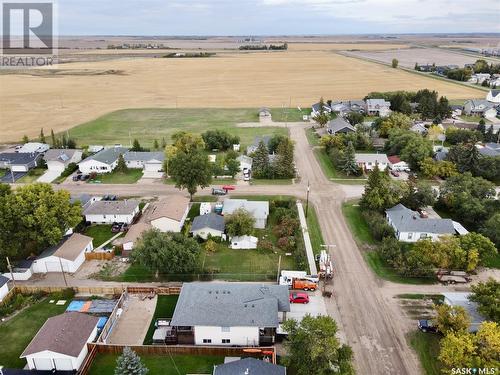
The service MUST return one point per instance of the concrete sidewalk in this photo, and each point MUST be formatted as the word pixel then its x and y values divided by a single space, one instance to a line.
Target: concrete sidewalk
pixel 307 240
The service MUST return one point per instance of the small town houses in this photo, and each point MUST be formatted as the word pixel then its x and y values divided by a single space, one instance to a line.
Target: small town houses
pixel 108 212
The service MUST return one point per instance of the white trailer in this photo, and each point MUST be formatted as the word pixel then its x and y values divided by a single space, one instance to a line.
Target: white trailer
pixel 325 265
pixel 287 277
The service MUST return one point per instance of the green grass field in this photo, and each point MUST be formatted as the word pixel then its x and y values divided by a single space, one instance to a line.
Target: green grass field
pixel 129 177
pixel 165 306
pixel 427 347
pixel 148 124
pixel 331 172
pixel 312 138
pixel 32 176
pixel 357 224
pixel 314 229
pixel 104 364
pixel 289 114
pixel 100 233
pixel 16 333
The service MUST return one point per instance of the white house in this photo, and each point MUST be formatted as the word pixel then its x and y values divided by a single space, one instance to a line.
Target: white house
pixel 19 162
pixel 493 96
pixel 231 314
pixel 4 287
pixel 243 242
pixel 147 161
pixel 419 128
pixel 245 162
pixel 59 159
pixel 169 214
pixel 462 299
pixel 477 107
pixel 396 164
pixel 368 161
pixel 33 147
pixel 378 107
pixel 209 225
pixel 67 256
pixel 316 109
pixel 131 237
pixel 102 162
pixel 108 212
pixel 410 227
pixel 61 343
pixel 258 209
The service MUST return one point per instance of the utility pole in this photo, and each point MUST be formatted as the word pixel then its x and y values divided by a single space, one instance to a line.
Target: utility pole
pixel 307 198
pixel 279 266
pixel 62 271
pixel 9 266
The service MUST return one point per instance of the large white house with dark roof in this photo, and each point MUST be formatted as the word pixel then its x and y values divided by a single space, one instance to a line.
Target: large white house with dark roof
pixel 108 212
pixel 258 209
pixel 230 313
pixel 410 227
pixel 102 162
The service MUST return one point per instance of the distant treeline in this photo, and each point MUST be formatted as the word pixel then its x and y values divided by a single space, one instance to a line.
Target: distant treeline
pixel 178 55
pixel 257 47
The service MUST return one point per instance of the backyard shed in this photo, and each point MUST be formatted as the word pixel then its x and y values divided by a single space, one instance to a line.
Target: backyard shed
pixel 244 242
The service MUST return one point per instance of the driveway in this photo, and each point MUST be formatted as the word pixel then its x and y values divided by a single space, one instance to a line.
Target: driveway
pixel 315 307
pixel 49 176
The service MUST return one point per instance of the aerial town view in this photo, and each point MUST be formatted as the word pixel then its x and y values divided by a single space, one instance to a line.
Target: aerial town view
pixel 234 187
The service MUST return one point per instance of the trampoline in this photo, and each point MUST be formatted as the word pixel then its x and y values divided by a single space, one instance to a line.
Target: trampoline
pixel 75 306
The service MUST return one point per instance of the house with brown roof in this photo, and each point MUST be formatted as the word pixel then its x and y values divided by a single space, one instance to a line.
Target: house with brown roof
pixel 169 214
pixel 67 256
pixel 61 343
pixel 128 241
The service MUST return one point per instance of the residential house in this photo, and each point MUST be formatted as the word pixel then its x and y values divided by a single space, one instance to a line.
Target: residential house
pixel 258 209
pixel 4 287
pixel 396 164
pixel 108 212
pixel 249 366
pixel 33 147
pixel 243 242
pixel 59 159
pixel 253 147
pixel 456 110
pixel 95 148
pixel 147 161
pixel 169 214
pixel 85 200
pixel 61 343
pixel 489 149
pixel 67 256
pixel 410 227
pixel 340 107
pixel 426 67
pixel 419 128
pixel 22 270
pixel 493 96
pixel 230 314
pixel 102 162
pixel 316 109
pixel 245 162
pixel 338 125
pixel 368 162
pixel 462 299
pixel 378 107
pixel 19 162
pixel 479 78
pixel 209 225
pixel 357 106
pixel 133 234
pixel 475 107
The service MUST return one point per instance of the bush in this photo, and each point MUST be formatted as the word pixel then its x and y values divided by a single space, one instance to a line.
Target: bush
pixel 266 245
pixel 379 228
pixel 70 169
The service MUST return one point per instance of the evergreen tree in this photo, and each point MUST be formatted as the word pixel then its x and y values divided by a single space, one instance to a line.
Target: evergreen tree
pixel 321 105
pixel 129 363
pixel 42 136
pixel 348 161
pixel 489 136
pixel 53 138
pixel 121 167
pixel 163 143
pixel 380 192
pixel 156 146
pixel 284 166
pixel 71 143
pixel 136 146
pixel 25 139
pixel 64 141
pixel 481 127
pixel 261 167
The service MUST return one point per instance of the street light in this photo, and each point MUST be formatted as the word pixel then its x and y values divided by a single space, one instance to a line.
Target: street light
pixel 307 198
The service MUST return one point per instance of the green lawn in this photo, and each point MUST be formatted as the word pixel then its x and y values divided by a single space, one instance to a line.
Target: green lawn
pixel 331 172
pixel 427 347
pixel 129 177
pixel 263 181
pixel 104 364
pixel 165 306
pixel 493 262
pixel 17 332
pixel 148 124
pixel 32 176
pixel 289 114
pixel 474 119
pixel 312 137
pixel 100 233
pixel 357 224
pixel 314 230
pixel 205 198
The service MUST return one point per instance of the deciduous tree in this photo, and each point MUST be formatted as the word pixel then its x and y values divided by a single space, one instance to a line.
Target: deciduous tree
pixel 452 319
pixel 239 223
pixel 190 169
pixel 487 296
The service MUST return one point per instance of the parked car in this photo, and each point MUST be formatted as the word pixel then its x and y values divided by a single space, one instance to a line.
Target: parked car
pixel 299 298
pixel 78 172
pixel 229 187
pixel 216 191
pixel 395 173
pixel 124 227
pixel 426 325
pixel 246 177
pixel 77 177
pixel 116 228
pixel 84 177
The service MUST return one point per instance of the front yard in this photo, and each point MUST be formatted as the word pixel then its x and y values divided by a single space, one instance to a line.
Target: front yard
pixel 32 176
pixel 333 173
pixel 427 347
pixel 129 177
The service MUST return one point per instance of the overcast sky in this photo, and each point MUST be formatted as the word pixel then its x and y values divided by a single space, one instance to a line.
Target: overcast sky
pixel 273 17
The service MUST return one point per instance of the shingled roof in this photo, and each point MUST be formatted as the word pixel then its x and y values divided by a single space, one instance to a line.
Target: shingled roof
pixel 249 366
pixel 406 220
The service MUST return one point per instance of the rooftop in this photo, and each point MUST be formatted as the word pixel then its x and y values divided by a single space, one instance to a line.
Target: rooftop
pixel 135 232
pixel 173 207
pixel 462 299
pixel 126 207
pixel 338 124
pixel 143 156
pixel 258 209
pixel 230 305
pixel 69 248
pixel 18 158
pixel 211 220
pixel 108 155
pixel 406 220
pixel 3 280
pixel 372 158
pixel 62 155
pixel 249 366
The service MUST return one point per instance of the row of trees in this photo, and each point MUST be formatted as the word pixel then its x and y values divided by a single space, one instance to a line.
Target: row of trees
pixel 282 165
pixel 219 140
pixel 62 141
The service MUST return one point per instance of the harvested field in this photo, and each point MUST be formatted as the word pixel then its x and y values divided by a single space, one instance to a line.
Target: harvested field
pixel 235 80
pixel 343 46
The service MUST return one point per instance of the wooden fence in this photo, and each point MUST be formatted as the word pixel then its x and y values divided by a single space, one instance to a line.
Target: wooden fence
pixel 162 290
pixel 99 255
pixel 90 290
pixel 12 292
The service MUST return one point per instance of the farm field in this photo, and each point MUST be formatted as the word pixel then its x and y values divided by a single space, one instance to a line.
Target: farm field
pixel 148 124
pixel 233 80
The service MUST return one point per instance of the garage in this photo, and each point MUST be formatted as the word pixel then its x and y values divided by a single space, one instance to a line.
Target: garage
pixel 63 364
pixel 43 364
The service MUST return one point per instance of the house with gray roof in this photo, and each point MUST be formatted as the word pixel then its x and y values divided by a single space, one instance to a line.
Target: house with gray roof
pixel 249 366
pixel 493 96
pixel 108 212
pixel 145 160
pixel 4 286
pixel 102 162
pixel 462 299
pixel 367 162
pixel 253 147
pixel 316 109
pixel 410 227
pixel 477 107
pixel 19 162
pixel 59 159
pixel 338 125
pixel 230 313
pixel 258 209
pixel 378 107
pixel 209 225
pixel 489 149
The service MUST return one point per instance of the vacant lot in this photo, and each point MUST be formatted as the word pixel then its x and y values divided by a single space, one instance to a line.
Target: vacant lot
pixel 233 80
pixel 149 124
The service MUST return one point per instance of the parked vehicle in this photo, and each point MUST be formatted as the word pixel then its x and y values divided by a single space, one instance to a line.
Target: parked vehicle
pixel 395 173
pixel 76 177
pixel 325 265
pixel 303 284
pixel 229 187
pixel 116 228
pixel 84 177
pixel 299 298
pixel 426 325
pixel 124 227
pixel 216 191
pixel 453 277
pixel 246 177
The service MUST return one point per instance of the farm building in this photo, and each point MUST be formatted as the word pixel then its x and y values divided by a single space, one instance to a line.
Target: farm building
pixel 61 343
pixel 108 212
pixel 4 287
pixel 230 313
pixel 58 160
pixel 19 162
pixel 169 214
pixel 368 161
pixel 102 162
pixel 130 239
pixel 265 114
pixel 243 242
pixel 67 256
pixel 259 210
pixel 208 225
pixel 249 366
